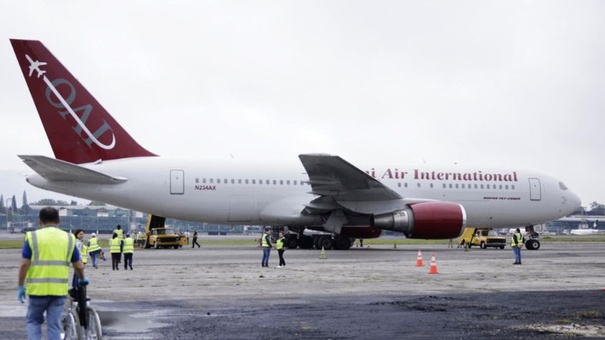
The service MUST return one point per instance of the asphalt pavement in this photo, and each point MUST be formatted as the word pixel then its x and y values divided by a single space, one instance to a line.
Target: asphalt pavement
pixel 221 292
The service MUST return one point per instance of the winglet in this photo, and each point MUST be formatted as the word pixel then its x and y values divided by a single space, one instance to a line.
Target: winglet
pixel 79 129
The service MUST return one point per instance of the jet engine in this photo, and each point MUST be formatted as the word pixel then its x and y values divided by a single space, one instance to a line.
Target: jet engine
pixel 427 220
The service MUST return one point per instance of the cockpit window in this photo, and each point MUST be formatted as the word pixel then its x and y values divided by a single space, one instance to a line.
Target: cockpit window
pixel 562 186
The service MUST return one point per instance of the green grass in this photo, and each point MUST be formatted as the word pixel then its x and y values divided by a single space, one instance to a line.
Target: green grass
pixel 390 241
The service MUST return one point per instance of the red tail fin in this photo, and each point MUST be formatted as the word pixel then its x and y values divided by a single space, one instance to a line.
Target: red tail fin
pixel 78 127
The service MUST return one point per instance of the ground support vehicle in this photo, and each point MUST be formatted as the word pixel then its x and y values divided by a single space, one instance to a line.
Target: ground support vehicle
pixel 80 321
pixel 309 239
pixel 482 237
pixel 158 236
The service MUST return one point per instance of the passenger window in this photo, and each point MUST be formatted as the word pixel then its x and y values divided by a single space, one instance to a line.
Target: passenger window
pixel 218 180
pixel 253 181
pixel 226 181
pixel 274 182
pixel 246 181
pixel 232 181
pixel 239 181
pixel 211 180
pixel 431 185
pixel 288 182
pixel 203 180
pixel 418 184
pixel 281 182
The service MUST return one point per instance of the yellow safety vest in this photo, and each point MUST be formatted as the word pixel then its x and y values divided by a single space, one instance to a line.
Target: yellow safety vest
pixel 120 233
pixel 48 273
pixel 128 245
pixel 84 253
pixel 114 245
pixel 519 240
pixel 94 244
pixel 280 243
pixel 264 240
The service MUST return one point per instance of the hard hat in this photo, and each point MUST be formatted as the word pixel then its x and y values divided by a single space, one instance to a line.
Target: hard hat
pixel 93 235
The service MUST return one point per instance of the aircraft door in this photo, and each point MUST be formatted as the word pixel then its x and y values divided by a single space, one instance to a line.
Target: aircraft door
pixel 535 189
pixel 177 182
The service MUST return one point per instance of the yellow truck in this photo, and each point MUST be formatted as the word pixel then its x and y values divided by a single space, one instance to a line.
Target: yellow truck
pixel 482 237
pixel 158 236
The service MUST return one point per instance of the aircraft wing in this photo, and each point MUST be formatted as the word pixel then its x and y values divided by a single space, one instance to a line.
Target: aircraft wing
pixel 57 170
pixel 339 183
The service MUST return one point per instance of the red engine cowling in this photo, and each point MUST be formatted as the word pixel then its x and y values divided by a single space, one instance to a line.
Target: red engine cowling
pixel 427 220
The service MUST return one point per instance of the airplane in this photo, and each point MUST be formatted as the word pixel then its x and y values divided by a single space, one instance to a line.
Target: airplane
pixel 35 66
pixel 96 159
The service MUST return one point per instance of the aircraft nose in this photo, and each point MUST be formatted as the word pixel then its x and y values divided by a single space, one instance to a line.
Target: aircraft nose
pixel 573 202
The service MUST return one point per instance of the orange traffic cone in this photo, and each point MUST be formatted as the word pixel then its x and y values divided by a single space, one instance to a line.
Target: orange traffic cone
pixel 433 268
pixel 419 262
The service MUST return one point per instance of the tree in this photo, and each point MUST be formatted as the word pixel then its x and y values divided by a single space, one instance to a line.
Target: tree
pixel 97 203
pixel 50 202
pixel 14 204
pixel 596 209
pixel 25 209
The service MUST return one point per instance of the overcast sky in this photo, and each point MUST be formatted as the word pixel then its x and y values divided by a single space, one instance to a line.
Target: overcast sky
pixel 508 83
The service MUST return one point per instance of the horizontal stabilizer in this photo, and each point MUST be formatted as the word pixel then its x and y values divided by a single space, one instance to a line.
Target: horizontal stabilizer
pixel 57 170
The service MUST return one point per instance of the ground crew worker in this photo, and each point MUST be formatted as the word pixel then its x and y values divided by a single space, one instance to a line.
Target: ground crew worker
pixel 128 251
pixel 115 248
pixel 79 233
pixel 94 249
pixel 119 231
pixel 44 267
pixel 279 245
pixel 266 245
pixel 516 242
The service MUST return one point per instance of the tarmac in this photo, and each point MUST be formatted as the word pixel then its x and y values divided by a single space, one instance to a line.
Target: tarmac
pixel 222 292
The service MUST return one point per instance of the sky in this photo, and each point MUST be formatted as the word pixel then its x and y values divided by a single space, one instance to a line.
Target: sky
pixel 516 84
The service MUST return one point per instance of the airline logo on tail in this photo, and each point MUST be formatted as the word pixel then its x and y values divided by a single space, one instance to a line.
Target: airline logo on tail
pixel 65 103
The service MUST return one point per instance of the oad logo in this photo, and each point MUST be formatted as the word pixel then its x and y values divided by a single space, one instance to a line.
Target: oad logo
pixel 65 104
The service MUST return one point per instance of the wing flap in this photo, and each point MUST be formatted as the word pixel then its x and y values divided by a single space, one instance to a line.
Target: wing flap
pixel 333 176
pixel 57 170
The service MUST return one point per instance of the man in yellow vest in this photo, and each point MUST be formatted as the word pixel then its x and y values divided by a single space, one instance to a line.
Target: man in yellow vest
pixel 115 248
pixel 266 245
pixel 516 242
pixel 44 267
pixel 94 249
pixel 128 251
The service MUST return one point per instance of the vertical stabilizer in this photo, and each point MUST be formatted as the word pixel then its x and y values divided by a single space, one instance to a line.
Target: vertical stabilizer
pixel 79 129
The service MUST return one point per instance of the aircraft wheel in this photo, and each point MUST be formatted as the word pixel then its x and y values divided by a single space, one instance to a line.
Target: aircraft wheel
pixel 532 244
pixel 292 241
pixel 342 243
pixel 306 242
pixel 325 242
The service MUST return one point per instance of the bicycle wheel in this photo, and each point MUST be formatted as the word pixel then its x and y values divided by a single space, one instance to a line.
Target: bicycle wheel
pixel 93 330
pixel 71 326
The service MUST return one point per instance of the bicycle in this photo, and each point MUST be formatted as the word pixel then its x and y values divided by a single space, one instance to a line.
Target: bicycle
pixel 80 320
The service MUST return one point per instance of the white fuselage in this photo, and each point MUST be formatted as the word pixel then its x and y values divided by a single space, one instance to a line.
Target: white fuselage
pixel 231 192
